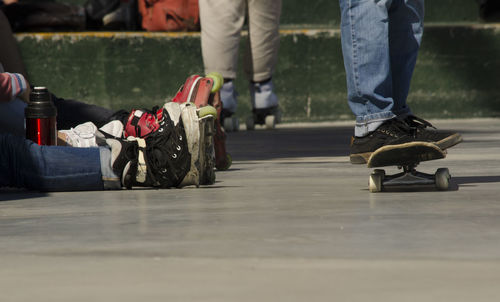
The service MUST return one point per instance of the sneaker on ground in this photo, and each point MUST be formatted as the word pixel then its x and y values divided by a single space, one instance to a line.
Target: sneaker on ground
pixel 84 135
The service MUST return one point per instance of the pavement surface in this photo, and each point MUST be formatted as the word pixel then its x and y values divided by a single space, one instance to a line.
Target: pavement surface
pixel 292 220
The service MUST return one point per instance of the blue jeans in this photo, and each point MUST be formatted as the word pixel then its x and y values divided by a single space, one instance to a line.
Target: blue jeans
pixel 24 164
pixel 380 42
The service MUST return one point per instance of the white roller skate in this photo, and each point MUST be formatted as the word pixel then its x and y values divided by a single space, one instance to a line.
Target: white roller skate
pixel 199 128
pixel 265 103
pixel 229 98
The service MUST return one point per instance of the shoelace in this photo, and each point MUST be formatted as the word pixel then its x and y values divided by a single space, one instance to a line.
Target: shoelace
pixel 400 126
pixel 416 122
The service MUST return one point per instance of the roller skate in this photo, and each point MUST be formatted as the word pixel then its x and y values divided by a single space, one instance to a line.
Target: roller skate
pixel 204 91
pixel 265 103
pixel 229 101
pixel 268 117
pixel 197 123
pixel 163 158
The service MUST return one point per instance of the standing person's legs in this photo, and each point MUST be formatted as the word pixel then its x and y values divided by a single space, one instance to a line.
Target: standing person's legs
pixel 262 51
pixel 264 40
pixel 25 164
pixel 221 24
pixel 380 41
pixel 365 46
pixel 405 35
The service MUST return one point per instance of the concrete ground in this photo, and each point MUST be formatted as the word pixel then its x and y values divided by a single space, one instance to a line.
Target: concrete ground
pixel 292 220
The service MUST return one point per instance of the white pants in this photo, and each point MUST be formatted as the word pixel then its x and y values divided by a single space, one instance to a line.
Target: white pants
pixel 221 25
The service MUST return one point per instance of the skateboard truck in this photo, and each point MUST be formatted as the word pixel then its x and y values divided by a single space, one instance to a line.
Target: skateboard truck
pixel 410 177
pixel 407 157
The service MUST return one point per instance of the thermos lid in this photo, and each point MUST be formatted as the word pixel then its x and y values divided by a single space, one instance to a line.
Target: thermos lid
pixel 40 105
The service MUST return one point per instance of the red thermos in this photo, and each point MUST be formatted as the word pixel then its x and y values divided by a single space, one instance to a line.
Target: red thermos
pixel 40 116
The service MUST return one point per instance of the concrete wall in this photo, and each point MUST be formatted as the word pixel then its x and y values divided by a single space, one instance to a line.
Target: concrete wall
pixel 456 74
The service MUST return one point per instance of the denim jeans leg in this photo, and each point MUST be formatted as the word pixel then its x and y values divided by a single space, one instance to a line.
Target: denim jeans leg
pixel 12 117
pixel 365 46
pixel 24 164
pixel 405 34
pixel 71 113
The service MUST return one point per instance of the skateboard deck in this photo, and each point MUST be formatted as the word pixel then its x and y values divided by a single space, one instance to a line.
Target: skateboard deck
pixel 405 154
pixel 407 157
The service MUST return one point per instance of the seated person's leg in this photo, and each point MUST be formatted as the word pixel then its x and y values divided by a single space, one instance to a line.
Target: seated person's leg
pixel 12 117
pixel 24 164
pixel 71 113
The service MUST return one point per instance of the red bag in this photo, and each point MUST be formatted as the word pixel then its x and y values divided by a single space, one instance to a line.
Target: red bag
pixel 170 15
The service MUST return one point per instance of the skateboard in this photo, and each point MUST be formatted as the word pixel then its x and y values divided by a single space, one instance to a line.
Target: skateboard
pixel 203 91
pixel 406 157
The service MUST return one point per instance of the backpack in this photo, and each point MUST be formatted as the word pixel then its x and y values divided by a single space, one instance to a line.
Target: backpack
pixel 170 15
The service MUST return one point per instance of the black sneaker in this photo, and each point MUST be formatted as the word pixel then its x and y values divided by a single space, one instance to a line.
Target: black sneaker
pixel 400 131
pixel 424 131
pixel 392 132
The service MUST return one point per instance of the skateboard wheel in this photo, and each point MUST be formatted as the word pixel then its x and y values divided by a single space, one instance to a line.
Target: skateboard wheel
pixel 442 178
pixel 218 81
pixel 270 121
pixel 250 123
pixel 207 110
pixel 375 181
pixel 231 124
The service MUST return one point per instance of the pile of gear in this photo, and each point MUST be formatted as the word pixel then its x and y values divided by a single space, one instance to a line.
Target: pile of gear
pixel 176 145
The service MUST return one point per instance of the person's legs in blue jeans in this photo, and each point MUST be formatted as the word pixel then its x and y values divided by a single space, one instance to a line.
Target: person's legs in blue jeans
pixel 405 35
pixel 380 42
pixel 25 164
pixel 379 56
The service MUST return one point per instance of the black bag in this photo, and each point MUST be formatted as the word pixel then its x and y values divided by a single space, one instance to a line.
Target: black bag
pixel 489 10
pixel 112 14
pixel 44 16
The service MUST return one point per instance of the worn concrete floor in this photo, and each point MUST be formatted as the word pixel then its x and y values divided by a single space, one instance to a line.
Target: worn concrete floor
pixel 291 221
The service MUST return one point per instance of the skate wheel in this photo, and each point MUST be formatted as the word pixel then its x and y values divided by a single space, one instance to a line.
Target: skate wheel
pixel 236 124
pixel 442 178
pixel 250 123
pixel 218 81
pixel 227 164
pixel 278 116
pixel 228 124
pixel 270 121
pixel 231 124
pixel 375 181
pixel 207 110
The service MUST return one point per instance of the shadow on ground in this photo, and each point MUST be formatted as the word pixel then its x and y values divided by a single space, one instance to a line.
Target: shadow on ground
pixel 289 143
pixel 471 180
pixel 8 194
